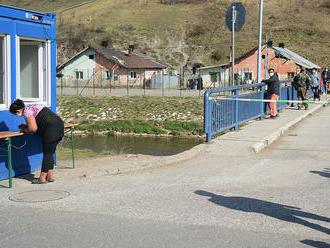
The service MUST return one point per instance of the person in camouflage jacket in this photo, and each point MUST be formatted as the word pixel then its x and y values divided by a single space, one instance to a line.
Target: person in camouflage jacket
pixel 302 84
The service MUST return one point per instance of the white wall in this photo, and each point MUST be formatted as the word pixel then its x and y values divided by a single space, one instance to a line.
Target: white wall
pixel 82 63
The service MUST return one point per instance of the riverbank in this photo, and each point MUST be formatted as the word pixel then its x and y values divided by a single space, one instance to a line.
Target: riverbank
pixel 157 116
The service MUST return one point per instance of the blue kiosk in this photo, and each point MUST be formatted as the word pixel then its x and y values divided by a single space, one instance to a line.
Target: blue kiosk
pixel 28 72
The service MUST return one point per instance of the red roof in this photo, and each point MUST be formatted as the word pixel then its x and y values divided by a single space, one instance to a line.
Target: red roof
pixel 130 60
pixel 124 59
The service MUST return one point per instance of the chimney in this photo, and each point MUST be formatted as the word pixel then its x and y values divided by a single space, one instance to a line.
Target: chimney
pixel 131 49
pixel 105 43
pixel 269 43
pixel 281 45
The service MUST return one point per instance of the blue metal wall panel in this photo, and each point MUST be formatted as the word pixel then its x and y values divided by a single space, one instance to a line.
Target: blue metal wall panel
pixel 17 22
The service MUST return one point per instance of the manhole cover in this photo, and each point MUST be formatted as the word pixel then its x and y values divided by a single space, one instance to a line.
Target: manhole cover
pixel 39 196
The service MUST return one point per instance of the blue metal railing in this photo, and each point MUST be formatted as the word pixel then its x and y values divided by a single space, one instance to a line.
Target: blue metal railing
pixel 221 114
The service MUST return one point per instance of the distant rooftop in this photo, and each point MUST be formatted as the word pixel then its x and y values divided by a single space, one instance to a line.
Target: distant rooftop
pixel 125 59
pixel 299 60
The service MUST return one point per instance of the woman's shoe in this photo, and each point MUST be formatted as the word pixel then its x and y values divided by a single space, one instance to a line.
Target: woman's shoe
pixel 37 181
pixel 51 180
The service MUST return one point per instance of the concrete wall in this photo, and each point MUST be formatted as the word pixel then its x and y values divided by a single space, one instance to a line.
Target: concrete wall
pixel 222 77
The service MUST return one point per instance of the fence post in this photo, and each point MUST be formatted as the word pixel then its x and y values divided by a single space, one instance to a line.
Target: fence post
pixel 180 82
pixel 94 82
pixel 162 83
pixel 61 86
pixel 127 84
pixel 77 87
pixel 144 83
pixel 110 80
pixel 236 110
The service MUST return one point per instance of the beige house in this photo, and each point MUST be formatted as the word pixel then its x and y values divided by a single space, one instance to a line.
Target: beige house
pixel 103 64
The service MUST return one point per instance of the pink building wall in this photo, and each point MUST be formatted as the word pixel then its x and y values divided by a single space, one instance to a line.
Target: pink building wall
pixel 282 66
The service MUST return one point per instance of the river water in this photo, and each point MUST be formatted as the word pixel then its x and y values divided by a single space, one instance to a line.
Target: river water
pixel 157 146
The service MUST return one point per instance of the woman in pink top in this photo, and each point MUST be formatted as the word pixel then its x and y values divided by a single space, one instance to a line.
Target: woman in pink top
pixel 49 126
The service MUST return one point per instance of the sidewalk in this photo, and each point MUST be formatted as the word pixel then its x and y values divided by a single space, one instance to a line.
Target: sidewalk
pixel 251 138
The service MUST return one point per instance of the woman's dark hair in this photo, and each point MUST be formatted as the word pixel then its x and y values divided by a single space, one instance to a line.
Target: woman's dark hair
pixel 16 105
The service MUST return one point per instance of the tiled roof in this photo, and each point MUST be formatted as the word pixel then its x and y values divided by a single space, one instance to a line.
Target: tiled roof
pixel 124 59
pixel 130 60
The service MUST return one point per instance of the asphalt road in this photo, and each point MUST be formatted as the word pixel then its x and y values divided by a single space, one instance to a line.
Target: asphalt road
pixel 279 198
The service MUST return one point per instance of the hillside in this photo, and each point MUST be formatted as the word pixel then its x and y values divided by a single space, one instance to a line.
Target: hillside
pixel 191 30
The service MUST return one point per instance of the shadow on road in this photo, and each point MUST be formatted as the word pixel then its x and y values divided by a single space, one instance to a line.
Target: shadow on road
pixel 316 244
pixel 274 210
pixel 324 173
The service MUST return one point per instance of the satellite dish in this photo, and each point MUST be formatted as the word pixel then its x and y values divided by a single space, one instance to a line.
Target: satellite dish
pixel 239 16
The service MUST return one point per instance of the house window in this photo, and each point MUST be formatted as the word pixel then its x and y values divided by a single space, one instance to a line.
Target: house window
pixel 108 75
pixel 34 79
pixel 4 70
pixel 132 75
pixel 248 76
pixel 214 77
pixel 79 75
pixel 91 56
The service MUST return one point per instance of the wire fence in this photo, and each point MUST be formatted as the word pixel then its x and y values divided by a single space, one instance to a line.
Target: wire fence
pixel 104 84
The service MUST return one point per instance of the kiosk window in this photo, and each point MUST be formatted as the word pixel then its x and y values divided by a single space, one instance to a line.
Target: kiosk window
pixel 4 71
pixel 34 70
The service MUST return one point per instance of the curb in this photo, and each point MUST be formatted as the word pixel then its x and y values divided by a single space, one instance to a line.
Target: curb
pixel 269 139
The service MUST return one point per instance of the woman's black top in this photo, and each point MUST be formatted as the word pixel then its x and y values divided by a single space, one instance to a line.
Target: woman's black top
pixel 50 126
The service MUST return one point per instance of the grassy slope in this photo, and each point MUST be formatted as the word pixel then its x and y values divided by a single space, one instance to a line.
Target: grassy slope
pixel 162 30
pixel 141 115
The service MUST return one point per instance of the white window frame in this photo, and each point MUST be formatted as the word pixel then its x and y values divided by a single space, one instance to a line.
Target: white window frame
pixel 130 75
pixel 80 73
pixel 250 72
pixel 6 70
pixel 108 74
pixel 44 71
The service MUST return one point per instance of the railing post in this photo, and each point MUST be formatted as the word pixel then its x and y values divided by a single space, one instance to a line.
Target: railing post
pixel 237 110
pixel 207 117
pixel 262 104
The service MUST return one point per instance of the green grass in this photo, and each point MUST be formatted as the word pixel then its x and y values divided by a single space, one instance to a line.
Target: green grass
pixel 123 126
pixel 179 128
pixel 140 115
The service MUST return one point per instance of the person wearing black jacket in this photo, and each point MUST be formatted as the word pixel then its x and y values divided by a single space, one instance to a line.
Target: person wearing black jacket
pixel 273 91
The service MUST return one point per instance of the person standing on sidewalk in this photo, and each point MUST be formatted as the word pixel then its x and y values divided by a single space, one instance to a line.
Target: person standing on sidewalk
pixel 302 83
pixel 325 77
pixel 315 84
pixel 273 91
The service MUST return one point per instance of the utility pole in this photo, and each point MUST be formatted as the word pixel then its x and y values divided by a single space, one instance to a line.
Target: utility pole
pixel 266 58
pixel 260 39
pixel 233 44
